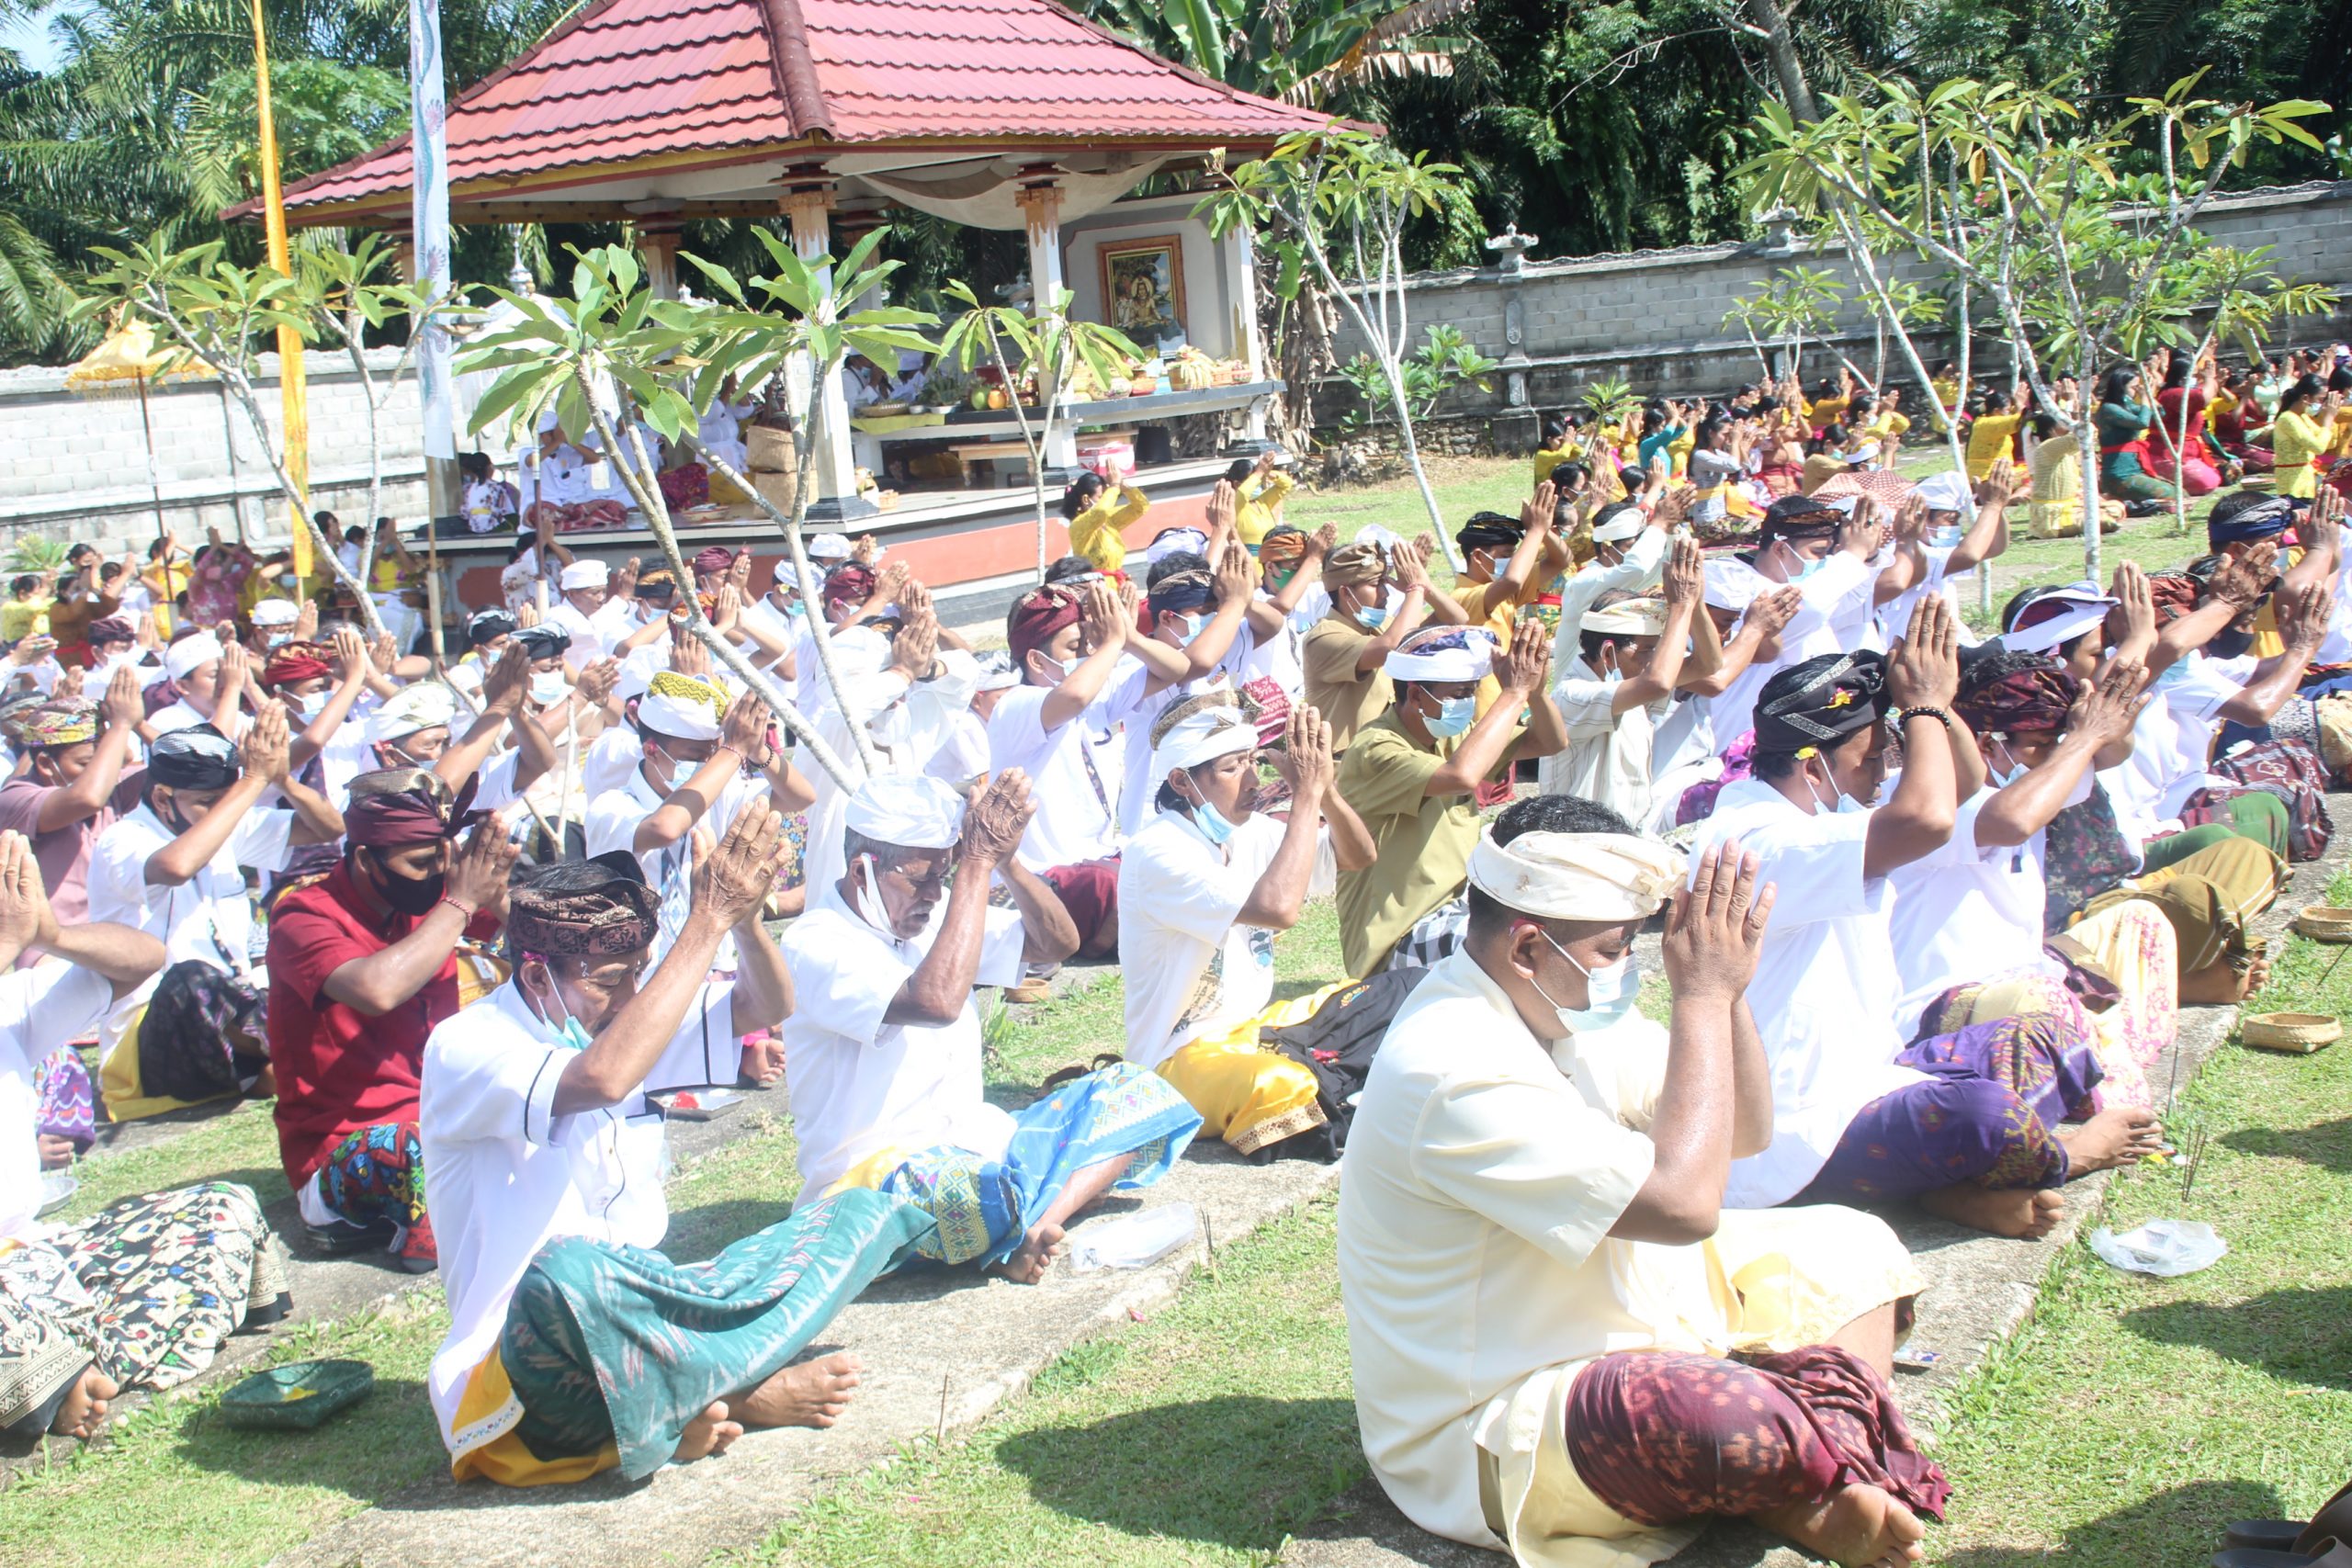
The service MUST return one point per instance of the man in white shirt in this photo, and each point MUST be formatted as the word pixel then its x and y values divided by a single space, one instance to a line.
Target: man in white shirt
pixel 573 1347
pixel 558 483
pixel 592 622
pixel 1632 656
pixel 174 868
pixel 884 1054
pixel 1205 886
pixel 1214 622
pixel 1832 557
pixel 701 761
pixel 214 681
pixel 1543 1286
pixel 1968 1124
pixel 1087 669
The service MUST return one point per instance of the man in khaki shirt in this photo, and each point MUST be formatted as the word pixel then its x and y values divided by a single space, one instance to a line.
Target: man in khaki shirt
pixel 1413 773
pixel 1379 597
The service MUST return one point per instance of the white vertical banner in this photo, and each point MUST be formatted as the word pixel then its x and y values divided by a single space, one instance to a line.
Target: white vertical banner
pixel 429 218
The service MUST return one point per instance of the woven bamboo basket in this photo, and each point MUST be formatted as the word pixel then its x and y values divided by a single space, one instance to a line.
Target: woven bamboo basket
pixel 2322 922
pixel 772 451
pixel 2302 1033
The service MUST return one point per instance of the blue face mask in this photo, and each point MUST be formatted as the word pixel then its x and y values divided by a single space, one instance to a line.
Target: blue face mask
pixel 1453 716
pixel 279 639
pixel 1845 801
pixel 1193 628
pixel 1372 618
pixel 1610 993
pixel 569 1034
pixel 1211 823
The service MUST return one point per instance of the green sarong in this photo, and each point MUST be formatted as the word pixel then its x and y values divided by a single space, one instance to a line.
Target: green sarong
pixel 617 1344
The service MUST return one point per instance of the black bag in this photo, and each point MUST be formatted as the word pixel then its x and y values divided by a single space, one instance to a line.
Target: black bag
pixel 1337 1043
pixel 193 1038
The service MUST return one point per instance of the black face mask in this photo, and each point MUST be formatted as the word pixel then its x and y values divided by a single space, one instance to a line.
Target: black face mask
pixel 2230 643
pixel 407 895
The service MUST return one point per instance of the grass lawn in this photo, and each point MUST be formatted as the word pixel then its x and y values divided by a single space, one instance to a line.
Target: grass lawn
pixel 2133 1416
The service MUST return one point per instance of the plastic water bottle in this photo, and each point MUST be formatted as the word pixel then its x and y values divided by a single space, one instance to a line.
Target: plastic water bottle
pixel 1136 1240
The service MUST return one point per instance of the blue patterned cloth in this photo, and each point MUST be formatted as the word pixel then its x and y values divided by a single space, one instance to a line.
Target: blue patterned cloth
pixel 984 1208
pixel 617 1344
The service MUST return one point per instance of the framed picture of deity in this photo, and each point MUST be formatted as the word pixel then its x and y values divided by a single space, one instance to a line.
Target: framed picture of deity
pixel 1143 288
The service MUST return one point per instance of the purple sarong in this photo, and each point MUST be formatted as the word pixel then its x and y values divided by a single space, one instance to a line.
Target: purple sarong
pixel 1660 1437
pixel 1987 1114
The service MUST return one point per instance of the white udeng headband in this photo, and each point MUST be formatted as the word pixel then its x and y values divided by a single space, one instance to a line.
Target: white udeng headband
pixel 1576 876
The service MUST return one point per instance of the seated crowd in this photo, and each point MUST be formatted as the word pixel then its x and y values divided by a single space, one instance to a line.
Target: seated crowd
pixel 1930 902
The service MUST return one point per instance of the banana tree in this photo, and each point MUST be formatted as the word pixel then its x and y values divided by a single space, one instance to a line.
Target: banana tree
pixel 614 358
pixel 211 312
pixel 1052 347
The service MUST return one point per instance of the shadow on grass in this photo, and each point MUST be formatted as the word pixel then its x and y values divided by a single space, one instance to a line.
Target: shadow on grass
pixel 1239 1471
pixel 2181 1524
pixel 267 1184
pixel 2329 1145
pixel 2295 1335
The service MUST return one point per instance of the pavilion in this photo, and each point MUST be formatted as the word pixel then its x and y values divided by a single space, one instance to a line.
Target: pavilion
pixel 1003 114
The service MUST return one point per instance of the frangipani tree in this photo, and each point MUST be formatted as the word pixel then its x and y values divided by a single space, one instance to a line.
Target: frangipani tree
pixel 208 311
pixel 1051 346
pixel 612 357
pixel 1336 202
pixel 2013 191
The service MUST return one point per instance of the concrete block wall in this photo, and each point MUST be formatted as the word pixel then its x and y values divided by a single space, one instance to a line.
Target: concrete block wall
pixel 1654 319
pixel 76 466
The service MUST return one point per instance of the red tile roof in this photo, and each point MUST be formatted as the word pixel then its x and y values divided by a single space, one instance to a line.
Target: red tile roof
pixel 629 84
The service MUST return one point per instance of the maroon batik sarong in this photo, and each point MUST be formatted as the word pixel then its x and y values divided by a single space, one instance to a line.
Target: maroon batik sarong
pixel 1662 1438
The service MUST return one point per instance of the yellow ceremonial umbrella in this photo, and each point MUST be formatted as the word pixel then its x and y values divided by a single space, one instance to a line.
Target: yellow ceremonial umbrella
pixel 123 364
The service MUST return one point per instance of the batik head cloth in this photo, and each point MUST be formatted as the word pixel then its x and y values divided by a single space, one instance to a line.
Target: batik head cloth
pixel 2243 516
pixel 198 758
pixel 1037 618
pixel 396 808
pixel 2010 691
pixel 1443 654
pixel 296 661
pixel 63 723
pixel 1283 545
pixel 713 560
pixel 1821 701
pixel 598 907
pixel 1353 564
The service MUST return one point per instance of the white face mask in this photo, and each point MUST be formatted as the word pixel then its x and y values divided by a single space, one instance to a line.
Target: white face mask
pixel 550 687
pixel 1845 801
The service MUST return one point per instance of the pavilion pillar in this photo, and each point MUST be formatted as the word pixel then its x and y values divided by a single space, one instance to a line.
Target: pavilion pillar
pixel 1040 200
pixel 658 242
pixel 808 201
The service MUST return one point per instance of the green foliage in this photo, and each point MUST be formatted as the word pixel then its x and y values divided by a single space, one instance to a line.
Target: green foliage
pixel 1610 401
pixel 37 553
pixel 1445 360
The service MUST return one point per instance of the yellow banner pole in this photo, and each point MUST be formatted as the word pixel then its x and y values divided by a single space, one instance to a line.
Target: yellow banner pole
pixel 294 405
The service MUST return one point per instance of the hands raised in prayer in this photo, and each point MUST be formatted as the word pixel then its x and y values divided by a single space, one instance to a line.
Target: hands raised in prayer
pixel 351 663
pixel 26 919
pixel 997 817
pixel 1715 931
pixel 1686 572
pixel 1675 506
pixel 733 877
pixel 1324 540
pixel 1234 575
pixel 2107 707
pixel 122 707
pixel 262 753
pixel 596 683
pixel 1535 513
pixel 1858 534
pixel 1773 610
pixel 1924 669
pixel 2132 622
pixel 1521 670
pixel 2302 616
pixel 915 650
pixel 687 654
pixel 1108 614
pixel 1223 502
pixel 1306 751
pixel 2000 484
pixel 478 872
pixel 745 729
pixel 2241 580
pixel 508 682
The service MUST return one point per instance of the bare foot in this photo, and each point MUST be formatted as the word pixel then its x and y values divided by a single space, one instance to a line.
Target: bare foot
pixel 2019 1211
pixel 2258 973
pixel 2125 1136
pixel 1038 1248
pixel 1861 1527
pixel 84 1409
pixel 706 1434
pixel 813 1394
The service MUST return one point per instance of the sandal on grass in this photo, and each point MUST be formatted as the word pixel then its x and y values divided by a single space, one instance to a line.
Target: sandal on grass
pixel 2327 1553
pixel 2332 1519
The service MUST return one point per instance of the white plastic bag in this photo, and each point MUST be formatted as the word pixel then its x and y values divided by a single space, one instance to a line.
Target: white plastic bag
pixel 1135 1241
pixel 2162 1248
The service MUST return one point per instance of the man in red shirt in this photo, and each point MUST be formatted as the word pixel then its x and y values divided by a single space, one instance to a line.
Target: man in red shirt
pixel 362 966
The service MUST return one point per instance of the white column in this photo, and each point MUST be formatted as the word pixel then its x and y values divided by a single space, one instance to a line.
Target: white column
pixel 808 202
pixel 1041 205
pixel 657 244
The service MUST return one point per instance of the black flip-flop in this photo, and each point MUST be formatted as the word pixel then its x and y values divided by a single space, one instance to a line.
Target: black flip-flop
pixel 2333 1518
pixel 2327 1553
